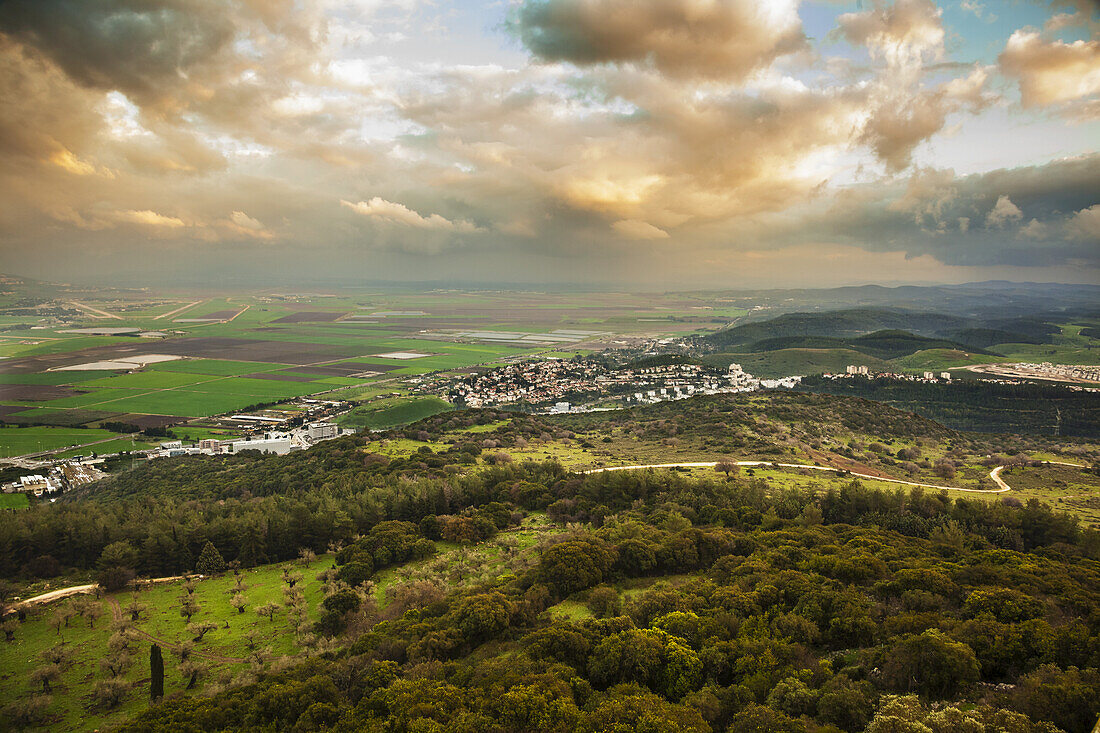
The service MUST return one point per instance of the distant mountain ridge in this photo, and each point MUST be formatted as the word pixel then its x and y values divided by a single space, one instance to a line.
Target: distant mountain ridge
pixel 881 332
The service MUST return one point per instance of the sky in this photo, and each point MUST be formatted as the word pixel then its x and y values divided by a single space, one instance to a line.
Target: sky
pixel 656 144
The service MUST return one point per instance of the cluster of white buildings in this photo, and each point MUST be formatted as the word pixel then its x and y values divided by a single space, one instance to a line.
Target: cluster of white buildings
pixel 861 370
pixel 1069 372
pixel 35 483
pixel 531 381
pixel 680 381
pixel 551 381
pixel 279 443
pixel 65 476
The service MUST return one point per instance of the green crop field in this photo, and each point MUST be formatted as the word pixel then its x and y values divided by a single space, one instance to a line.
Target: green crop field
pixel 111 446
pixel 393 412
pixel 18 441
pixel 94 397
pixel 178 402
pixel 146 380
pixel 215 367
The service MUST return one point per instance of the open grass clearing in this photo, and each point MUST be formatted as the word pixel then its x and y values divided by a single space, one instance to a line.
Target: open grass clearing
pixel 14 501
pixel 71 700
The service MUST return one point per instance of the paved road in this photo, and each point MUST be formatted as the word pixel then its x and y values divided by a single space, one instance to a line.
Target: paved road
pixel 97 311
pixel 181 309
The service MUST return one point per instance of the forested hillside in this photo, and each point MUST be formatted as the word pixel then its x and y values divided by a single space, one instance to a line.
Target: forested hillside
pixel 663 601
pixel 1039 409
pixel 706 605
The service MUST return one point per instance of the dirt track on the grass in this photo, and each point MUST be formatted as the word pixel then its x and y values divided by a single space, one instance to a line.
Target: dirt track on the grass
pixel 118 614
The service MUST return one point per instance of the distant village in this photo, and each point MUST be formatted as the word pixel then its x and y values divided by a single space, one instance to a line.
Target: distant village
pixel 862 370
pixel 1072 376
pixel 272 431
pixel 559 385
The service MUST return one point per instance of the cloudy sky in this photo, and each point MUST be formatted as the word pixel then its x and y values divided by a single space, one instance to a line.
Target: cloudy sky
pixel 647 143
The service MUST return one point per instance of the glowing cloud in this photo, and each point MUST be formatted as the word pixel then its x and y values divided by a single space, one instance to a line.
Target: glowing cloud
pixel 394 213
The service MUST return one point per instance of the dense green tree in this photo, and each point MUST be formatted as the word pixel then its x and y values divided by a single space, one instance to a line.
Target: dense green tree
pixel 483 615
pixel 633 709
pixel 762 719
pixel 156 672
pixel 604 601
pixel 931 663
pixel 1068 698
pixel 210 561
pixel 574 565
pixel 846 703
pixel 535 707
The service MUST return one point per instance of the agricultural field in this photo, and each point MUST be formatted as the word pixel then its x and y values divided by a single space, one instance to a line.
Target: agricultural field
pixel 388 413
pixel 178 358
pixel 173 359
pixel 18 441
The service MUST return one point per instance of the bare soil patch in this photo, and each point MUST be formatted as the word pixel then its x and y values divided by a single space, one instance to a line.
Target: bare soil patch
pixel 279 377
pixel 152 421
pixel 36 392
pixel 61 418
pixel 239 349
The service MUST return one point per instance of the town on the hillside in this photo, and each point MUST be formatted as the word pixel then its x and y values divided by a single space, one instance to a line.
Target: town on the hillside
pixel 559 385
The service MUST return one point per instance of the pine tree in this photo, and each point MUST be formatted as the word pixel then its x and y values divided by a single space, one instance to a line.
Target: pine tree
pixel 156 673
pixel 210 561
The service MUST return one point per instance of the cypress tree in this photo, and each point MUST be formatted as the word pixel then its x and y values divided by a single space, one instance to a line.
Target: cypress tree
pixel 210 561
pixel 156 673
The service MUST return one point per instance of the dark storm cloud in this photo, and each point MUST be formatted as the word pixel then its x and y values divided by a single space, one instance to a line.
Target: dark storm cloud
pixel 728 39
pixel 136 46
pixel 962 221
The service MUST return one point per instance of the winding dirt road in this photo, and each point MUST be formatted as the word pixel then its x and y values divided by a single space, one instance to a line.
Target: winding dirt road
pixel 995 474
pixel 118 614
pixel 74 590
